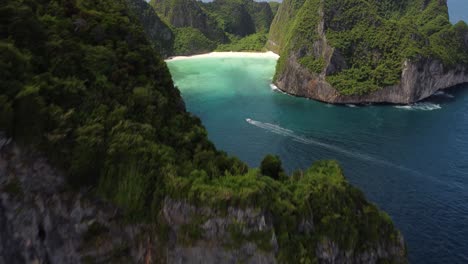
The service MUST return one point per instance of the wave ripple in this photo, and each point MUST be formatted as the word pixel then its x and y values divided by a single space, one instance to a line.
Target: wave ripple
pixel 353 154
pixel 420 107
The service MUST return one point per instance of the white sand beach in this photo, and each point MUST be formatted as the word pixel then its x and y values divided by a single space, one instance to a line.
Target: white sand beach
pixel 268 54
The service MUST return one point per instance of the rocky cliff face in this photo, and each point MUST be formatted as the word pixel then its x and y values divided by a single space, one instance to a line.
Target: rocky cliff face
pixel 331 60
pixel 329 252
pixel 419 80
pixel 42 221
pixel 241 18
pixel 188 13
pixel 158 33
pixel 204 235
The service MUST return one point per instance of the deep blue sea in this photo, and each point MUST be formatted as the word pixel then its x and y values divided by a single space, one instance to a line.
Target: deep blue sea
pixel 411 161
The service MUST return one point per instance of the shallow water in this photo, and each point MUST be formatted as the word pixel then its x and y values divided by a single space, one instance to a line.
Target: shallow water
pixel 410 160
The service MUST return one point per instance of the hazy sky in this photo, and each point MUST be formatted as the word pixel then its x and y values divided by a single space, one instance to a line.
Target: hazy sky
pixel 458 10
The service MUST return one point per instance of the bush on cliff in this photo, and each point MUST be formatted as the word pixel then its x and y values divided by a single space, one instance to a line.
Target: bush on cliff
pixel 81 83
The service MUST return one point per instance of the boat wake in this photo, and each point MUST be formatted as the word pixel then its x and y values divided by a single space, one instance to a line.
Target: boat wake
pixel 353 154
pixel 420 107
pixel 444 94
pixel 275 88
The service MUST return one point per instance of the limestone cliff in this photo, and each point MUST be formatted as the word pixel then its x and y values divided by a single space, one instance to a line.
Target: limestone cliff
pixel 43 221
pixel 158 33
pixel 419 80
pixel 110 168
pixel 241 18
pixel 373 53
pixel 204 235
pixel 189 13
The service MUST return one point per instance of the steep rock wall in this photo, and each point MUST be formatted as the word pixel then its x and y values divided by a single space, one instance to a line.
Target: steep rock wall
pixel 188 13
pixel 41 221
pixel 420 76
pixel 419 80
pixel 216 243
pixel 158 33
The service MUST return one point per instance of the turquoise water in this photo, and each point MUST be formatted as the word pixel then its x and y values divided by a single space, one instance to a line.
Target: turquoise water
pixel 411 161
pixel 458 10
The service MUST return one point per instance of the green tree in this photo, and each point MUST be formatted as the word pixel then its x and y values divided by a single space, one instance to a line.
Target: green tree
pixel 271 166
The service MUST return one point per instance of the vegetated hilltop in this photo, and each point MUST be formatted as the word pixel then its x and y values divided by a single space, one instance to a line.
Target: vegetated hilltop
pixel 100 162
pixel 222 24
pixel 158 33
pixel 358 51
pixel 195 30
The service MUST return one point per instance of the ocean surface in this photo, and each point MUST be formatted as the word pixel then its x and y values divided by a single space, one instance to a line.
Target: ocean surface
pixel 412 161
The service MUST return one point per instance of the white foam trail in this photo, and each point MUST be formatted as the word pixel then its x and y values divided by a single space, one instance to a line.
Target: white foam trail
pixel 275 88
pixel 443 94
pixel 353 154
pixel 351 105
pixel 420 106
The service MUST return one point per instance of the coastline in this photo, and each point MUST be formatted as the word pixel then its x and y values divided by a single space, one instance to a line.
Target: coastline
pixel 228 54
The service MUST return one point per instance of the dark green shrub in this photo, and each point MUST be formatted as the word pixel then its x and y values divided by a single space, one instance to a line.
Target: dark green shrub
pixel 271 166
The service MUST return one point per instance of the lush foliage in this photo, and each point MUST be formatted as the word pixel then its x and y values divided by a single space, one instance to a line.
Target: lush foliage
pixel 241 17
pixel 271 166
pixel 158 32
pixel 188 20
pixel 312 64
pixel 274 7
pixel 80 82
pixel 254 42
pixel 190 40
pixel 373 37
pixel 224 25
pixel 320 195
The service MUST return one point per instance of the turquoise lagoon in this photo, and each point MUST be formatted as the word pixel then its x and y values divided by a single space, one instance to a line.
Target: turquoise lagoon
pixel 412 161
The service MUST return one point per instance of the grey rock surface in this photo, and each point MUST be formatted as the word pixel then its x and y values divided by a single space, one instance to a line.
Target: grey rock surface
pixel 157 32
pixel 419 80
pixel 215 244
pixel 41 221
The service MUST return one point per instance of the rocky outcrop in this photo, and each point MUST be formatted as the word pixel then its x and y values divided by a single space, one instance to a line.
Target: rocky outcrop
pixel 309 58
pixel 218 231
pixel 41 221
pixel 157 32
pixel 188 13
pixel 218 237
pixel 329 252
pixel 419 80
pixel 241 18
